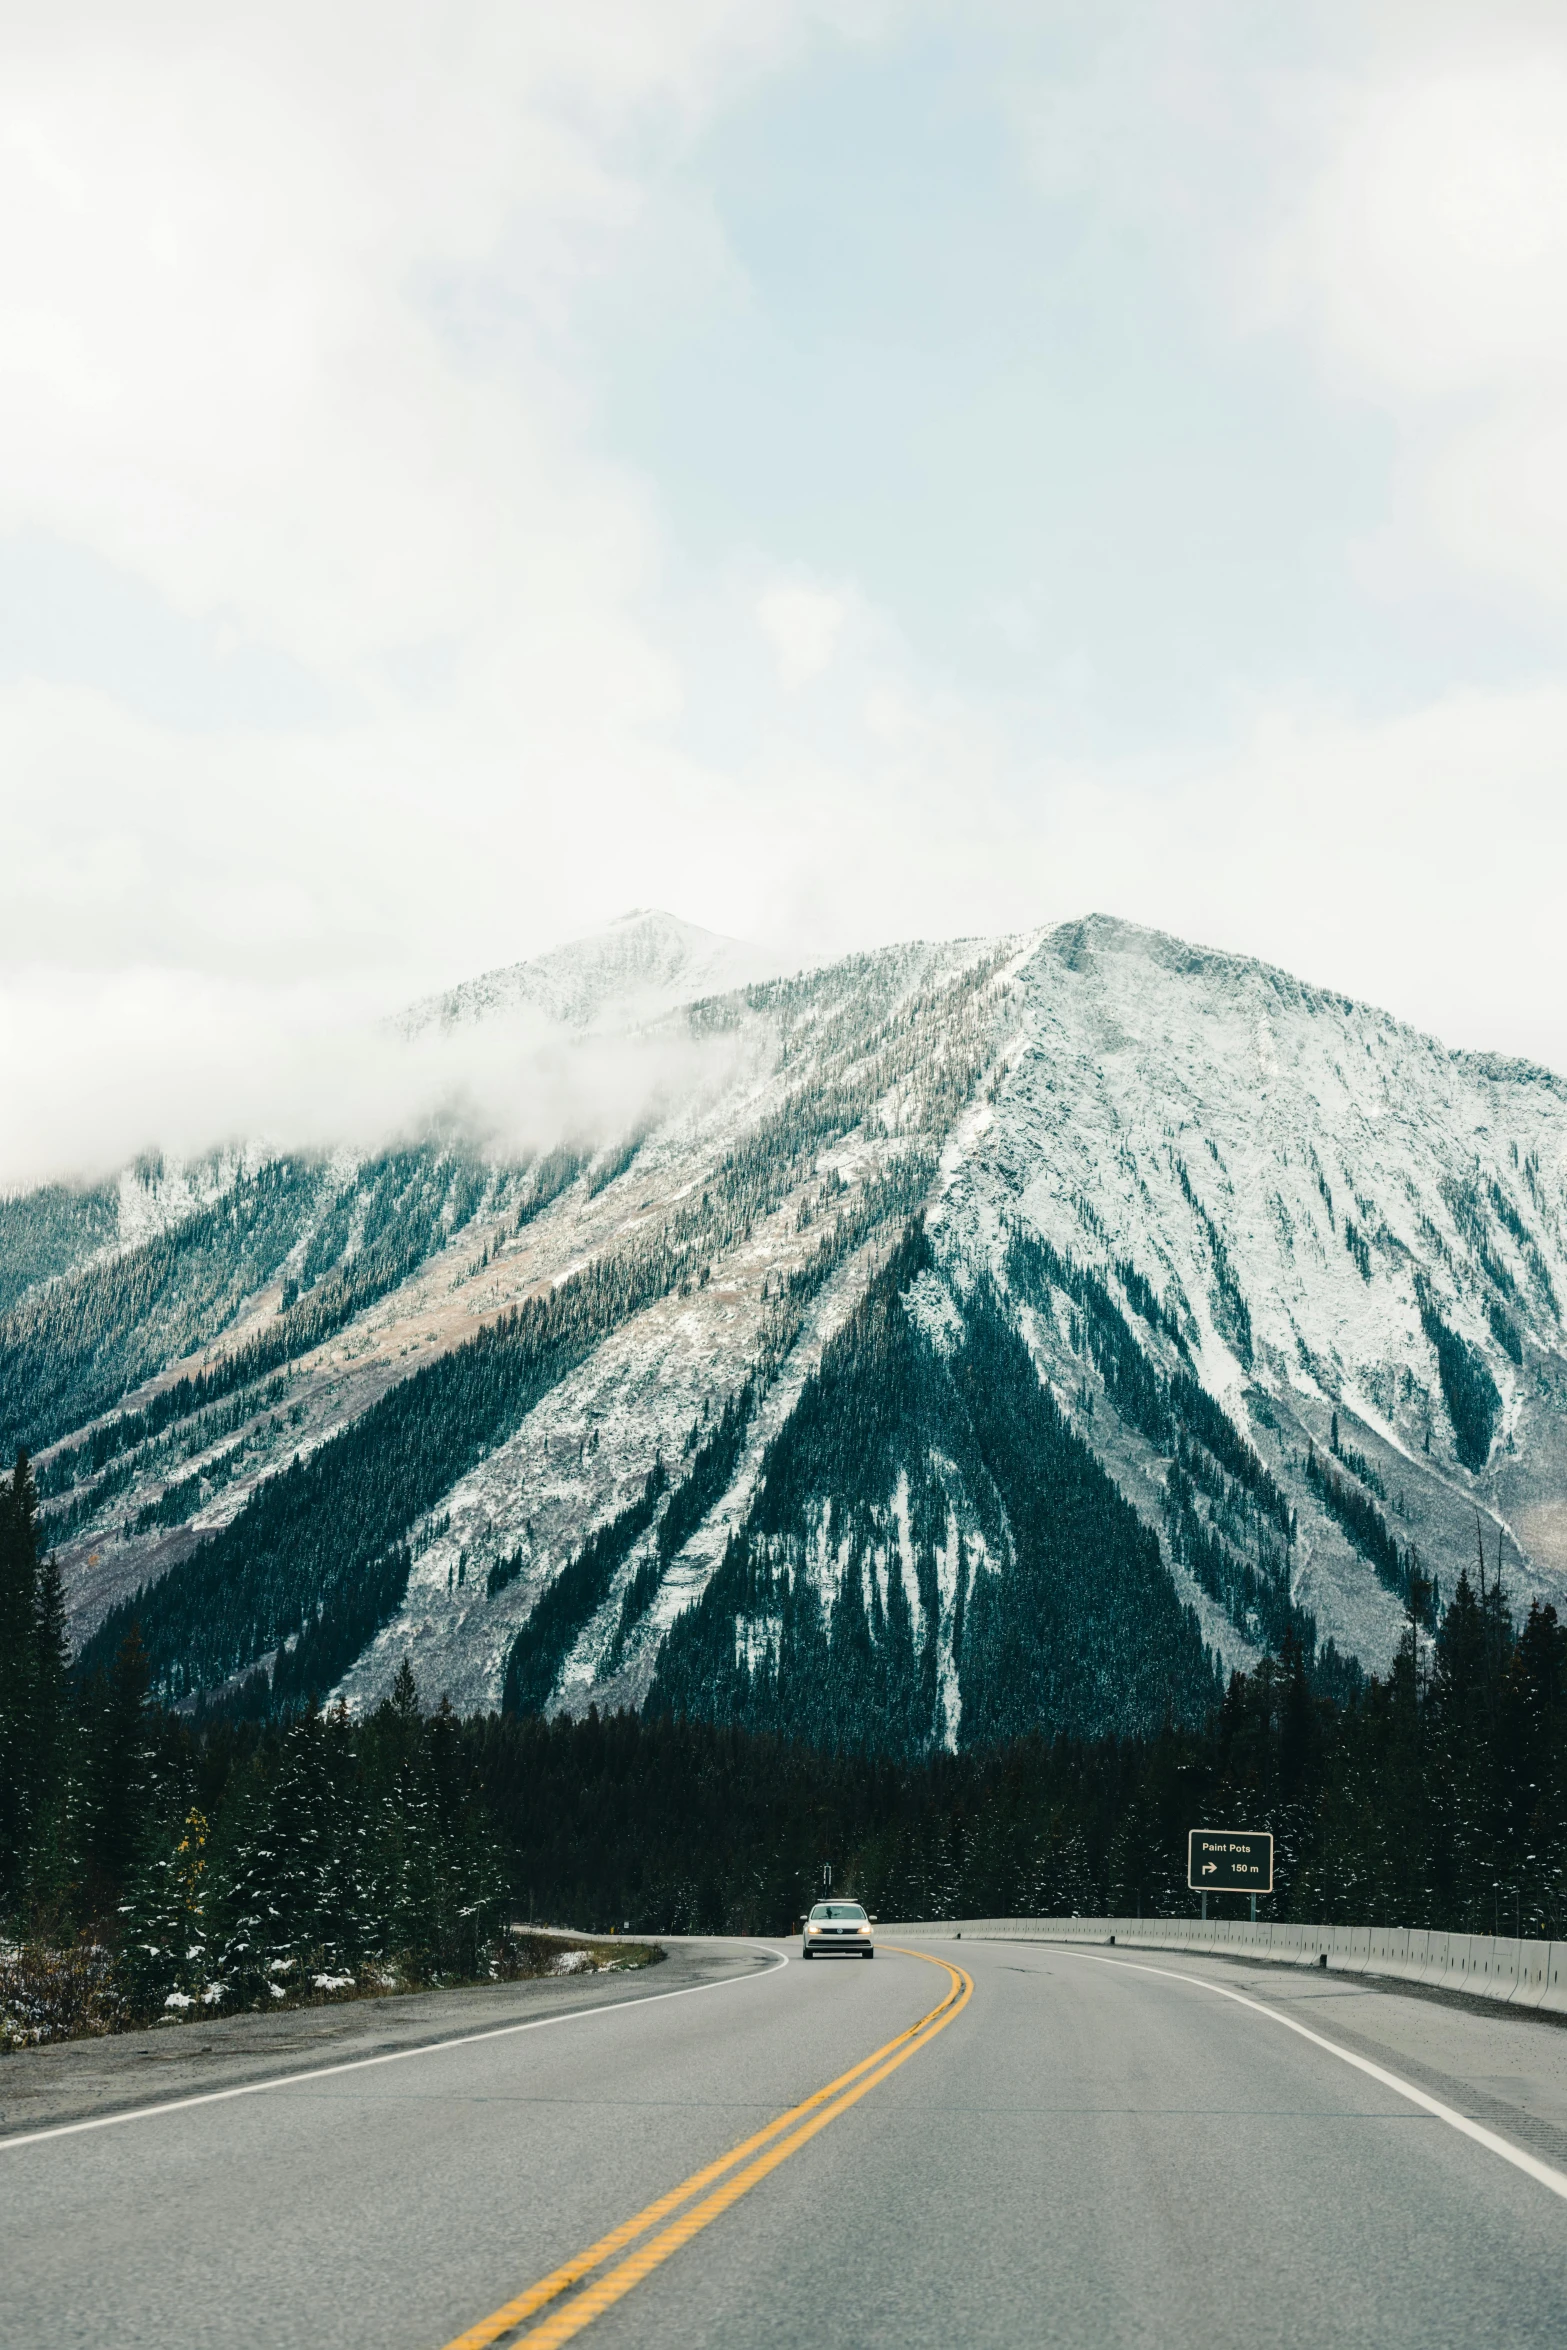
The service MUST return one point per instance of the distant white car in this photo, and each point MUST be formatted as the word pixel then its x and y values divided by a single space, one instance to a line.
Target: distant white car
pixel 838 1929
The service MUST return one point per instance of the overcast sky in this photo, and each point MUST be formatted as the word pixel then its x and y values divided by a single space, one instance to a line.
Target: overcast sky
pixel 836 471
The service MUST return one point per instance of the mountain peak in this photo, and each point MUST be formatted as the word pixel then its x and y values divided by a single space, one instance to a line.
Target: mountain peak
pixel 643 964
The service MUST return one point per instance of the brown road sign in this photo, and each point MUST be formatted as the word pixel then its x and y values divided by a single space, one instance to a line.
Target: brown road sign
pixel 1222 1860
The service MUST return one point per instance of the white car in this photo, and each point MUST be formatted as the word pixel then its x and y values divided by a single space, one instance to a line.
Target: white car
pixel 838 1929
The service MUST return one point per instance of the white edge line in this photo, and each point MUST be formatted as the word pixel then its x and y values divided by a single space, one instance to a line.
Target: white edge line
pixel 357 2064
pixel 1544 2172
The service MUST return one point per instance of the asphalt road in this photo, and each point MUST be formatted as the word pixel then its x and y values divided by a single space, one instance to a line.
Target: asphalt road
pixel 1091 2151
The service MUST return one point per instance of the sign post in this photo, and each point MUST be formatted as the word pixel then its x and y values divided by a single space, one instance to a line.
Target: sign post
pixel 1224 1860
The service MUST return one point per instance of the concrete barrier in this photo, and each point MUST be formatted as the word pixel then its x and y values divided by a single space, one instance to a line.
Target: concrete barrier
pixel 1455 1962
pixel 1534 1959
pixel 1351 1949
pixel 1388 1951
pixel 1524 1974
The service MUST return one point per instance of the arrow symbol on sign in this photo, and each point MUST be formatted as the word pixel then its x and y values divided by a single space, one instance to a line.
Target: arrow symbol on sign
pixel 1210 1868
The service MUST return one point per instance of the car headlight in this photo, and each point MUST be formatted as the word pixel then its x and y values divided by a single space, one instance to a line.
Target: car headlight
pixel 813 1929
pixel 864 1929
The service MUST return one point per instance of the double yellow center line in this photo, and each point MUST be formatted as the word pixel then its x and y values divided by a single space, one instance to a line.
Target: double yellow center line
pixel 705 2196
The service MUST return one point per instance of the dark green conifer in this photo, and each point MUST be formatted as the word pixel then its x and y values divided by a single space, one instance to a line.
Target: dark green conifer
pixel 119 1772
pixel 19 1690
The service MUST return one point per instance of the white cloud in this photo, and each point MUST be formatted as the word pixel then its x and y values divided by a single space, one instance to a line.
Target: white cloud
pixel 803 624
pixel 96 1070
pixel 279 313
pixel 1425 257
pixel 290 334
pixel 1430 250
pixel 286 336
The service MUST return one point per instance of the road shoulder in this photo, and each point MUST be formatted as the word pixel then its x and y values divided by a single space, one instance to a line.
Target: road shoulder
pixel 1489 2063
pixel 88 2080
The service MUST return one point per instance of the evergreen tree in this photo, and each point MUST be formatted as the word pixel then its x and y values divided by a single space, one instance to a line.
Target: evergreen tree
pixel 54 1858
pixel 20 1695
pixel 1535 1734
pixel 120 1773
pixel 296 1904
pixel 164 1919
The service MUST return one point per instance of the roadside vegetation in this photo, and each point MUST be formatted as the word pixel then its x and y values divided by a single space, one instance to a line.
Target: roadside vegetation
pixel 151 1869
pixel 156 1866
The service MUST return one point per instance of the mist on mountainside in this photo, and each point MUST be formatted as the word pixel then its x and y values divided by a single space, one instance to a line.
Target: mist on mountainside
pixel 559 1050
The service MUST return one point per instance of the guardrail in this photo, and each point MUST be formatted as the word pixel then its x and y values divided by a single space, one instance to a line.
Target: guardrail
pixel 1522 1974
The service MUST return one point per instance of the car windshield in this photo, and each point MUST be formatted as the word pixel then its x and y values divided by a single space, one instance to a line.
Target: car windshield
pixel 839 1909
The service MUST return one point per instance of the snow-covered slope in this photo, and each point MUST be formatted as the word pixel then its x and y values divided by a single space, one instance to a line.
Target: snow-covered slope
pixel 646 964
pixel 1290 1169
pixel 1228 1314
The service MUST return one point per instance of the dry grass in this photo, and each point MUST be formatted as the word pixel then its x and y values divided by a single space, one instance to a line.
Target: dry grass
pixel 74 1994
pixel 523 1955
pixel 68 1994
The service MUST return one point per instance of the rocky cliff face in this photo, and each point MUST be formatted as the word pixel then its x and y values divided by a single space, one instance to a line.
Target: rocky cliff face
pixel 984 1334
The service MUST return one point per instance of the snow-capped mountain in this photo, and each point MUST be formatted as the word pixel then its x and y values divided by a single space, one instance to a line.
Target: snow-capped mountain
pixel 995 1333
